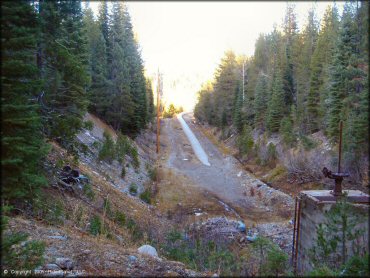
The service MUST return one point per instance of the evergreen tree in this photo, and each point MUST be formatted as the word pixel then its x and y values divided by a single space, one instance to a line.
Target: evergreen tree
pixel 150 99
pixel 22 144
pixel 64 68
pixel 238 104
pixel 276 105
pixel 99 97
pixel 260 101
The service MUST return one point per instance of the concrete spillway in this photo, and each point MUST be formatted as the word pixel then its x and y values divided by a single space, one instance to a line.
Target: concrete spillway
pixel 198 150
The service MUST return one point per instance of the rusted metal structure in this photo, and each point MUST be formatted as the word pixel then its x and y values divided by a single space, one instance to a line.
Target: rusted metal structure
pixel 309 212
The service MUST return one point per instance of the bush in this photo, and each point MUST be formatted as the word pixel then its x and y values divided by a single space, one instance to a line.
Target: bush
pixel 286 131
pixel 200 254
pixel 120 218
pixel 136 232
pixel 123 172
pixel 152 172
pixel 107 151
pixel 88 191
pixel 146 196
pixel 107 208
pixel 133 189
pixel 95 225
pixel 15 255
pixel 307 142
pixel 271 151
pixel 245 141
pixel 89 125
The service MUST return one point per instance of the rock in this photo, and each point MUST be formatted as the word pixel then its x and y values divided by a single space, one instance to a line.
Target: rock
pixel 58 237
pixel 51 267
pixel 65 263
pixel 241 226
pixel 148 250
pixel 86 252
pixel 132 258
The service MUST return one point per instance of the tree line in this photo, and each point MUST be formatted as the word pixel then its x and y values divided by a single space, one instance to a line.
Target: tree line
pixel 299 82
pixel 58 62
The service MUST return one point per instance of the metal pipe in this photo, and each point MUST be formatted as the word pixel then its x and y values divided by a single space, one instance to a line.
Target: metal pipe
pixel 297 239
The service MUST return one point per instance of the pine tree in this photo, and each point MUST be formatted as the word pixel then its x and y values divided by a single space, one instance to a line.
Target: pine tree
pixel 238 104
pixel 22 144
pixel 99 98
pixel 260 101
pixel 276 105
pixel 64 68
pixel 150 99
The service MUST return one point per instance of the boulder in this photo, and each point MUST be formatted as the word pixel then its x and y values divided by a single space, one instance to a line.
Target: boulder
pixel 148 250
pixel 65 263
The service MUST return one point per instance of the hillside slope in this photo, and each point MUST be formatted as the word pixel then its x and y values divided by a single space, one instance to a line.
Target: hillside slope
pixel 96 228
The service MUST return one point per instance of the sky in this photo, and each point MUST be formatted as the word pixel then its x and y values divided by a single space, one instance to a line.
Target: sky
pixel 186 40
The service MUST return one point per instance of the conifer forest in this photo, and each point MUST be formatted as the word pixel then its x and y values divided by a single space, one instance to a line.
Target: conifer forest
pixel 184 138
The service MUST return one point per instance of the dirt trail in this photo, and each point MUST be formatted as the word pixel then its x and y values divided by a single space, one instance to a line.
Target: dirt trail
pixel 225 179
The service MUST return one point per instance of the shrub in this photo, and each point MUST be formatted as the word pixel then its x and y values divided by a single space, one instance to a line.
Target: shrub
pixel 271 151
pixel 307 142
pixel 152 172
pixel 120 218
pixel 245 141
pixel 107 208
pixel 95 225
pixel 123 172
pixel 133 189
pixel 89 125
pixel 107 151
pixel 286 131
pixel 88 191
pixel 146 196
pixel 200 254
pixel 15 255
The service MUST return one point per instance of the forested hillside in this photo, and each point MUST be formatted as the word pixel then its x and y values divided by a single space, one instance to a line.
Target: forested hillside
pixel 58 62
pixel 298 82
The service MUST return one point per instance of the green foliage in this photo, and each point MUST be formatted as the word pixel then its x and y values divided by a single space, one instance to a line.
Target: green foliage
pixel 120 218
pixel 95 225
pixel 146 196
pixel 153 173
pixel 271 152
pixel 245 141
pixel 170 112
pixel 123 172
pixel 17 251
pixel 133 189
pixel 89 125
pixel 107 208
pixel 107 151
pixel 88 191
pixel 136 232
pixel 307 142
pixel 333 236
pixel 199 254
pixel 22 145
pixel 50 209
pixel 286 131
pixel 272 261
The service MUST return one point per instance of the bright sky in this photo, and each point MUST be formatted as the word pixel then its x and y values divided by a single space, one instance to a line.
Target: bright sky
pixel 186 40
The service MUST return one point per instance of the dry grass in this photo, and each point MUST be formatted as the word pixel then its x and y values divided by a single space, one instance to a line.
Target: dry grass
pixel 178 198
pixel 224 149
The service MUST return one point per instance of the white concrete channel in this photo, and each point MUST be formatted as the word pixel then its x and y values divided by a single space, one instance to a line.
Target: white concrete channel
pixel 198 150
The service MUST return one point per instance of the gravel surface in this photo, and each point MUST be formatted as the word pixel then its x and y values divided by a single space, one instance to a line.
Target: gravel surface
pixel 250 197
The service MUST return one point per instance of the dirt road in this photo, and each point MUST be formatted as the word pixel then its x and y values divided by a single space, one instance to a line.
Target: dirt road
pixel 225 179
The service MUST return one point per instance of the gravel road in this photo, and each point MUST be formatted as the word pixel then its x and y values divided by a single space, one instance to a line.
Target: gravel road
pixel 225 178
